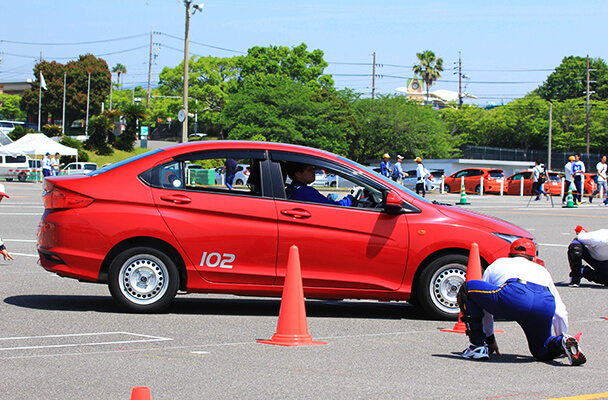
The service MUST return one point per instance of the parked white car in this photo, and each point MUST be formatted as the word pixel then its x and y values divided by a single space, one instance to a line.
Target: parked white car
pixel 78 168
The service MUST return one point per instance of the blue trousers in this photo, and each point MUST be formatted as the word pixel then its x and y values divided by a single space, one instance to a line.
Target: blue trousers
pixel 578 182
pixel 531 306
pixel 229 181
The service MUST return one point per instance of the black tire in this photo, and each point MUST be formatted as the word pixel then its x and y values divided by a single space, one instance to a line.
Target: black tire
pixel 143 280
pixel 478 189
pixel 9 179
pixel 439 284
pixel 239 182
pixel 22 177
pixel 447 189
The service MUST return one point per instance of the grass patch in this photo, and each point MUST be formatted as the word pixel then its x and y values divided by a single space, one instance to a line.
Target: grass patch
pixel 117 156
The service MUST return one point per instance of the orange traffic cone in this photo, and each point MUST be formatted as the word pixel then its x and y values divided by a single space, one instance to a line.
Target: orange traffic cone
pixel 473 273
pixel 140 393
pixel 292 329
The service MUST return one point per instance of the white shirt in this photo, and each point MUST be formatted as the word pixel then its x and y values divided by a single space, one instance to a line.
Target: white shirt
pixel 601 171
pixel 421 172
pixel 568 171
pixel 596 242
pixel 46 163
pixel 507 268
pixel 537 171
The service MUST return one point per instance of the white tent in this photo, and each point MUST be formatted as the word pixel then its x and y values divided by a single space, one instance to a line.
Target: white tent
pixel 37 144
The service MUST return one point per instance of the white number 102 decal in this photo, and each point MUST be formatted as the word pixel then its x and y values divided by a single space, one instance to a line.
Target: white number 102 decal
pixel 213 260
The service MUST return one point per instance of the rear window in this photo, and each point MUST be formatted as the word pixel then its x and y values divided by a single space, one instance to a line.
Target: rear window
pixel 496 174
pixel 124 162
pixel 92 167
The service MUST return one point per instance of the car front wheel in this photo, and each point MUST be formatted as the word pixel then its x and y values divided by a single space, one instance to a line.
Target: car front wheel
pixel 144 280
pixel 447 188
pixel 439 284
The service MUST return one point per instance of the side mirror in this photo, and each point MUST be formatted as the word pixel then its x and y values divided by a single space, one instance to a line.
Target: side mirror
pixel 393 204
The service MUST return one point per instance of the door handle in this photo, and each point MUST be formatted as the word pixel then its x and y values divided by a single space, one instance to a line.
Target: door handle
pixel 297 213
pixel 176 198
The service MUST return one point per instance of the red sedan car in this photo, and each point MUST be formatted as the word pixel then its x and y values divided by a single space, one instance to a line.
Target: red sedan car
pixel 513 184
pixel 472 180
pixel 146 231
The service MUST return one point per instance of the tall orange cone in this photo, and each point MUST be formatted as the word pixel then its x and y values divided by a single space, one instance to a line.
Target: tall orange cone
pixel 292 328
pixel 473 273
pixel 141 393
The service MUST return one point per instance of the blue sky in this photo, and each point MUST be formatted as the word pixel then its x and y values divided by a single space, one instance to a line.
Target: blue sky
pixel 508 48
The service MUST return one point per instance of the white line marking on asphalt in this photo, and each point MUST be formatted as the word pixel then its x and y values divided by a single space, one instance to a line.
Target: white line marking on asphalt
pixel 24 255
pixel 20 240
pixel 552 245
pixel 145 338
pixel 38 214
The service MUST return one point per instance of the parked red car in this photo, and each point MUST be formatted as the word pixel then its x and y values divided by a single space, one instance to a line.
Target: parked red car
pixel 146 231
pixel 552 186
pixel 472 180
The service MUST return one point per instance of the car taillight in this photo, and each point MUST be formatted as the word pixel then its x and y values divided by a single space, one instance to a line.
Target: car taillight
pixel 56 199
pixel 246 171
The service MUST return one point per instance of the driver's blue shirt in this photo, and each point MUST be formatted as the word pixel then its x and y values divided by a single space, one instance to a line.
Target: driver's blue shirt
pixel 300 191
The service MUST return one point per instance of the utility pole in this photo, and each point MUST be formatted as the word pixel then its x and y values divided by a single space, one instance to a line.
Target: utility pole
pixel 374 77
pixel 459 82
pixel 588 95
pixel 550 134
pixel 150 70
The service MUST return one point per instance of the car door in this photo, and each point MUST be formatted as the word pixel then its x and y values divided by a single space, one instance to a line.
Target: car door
pixel 339 247
pixel 230 236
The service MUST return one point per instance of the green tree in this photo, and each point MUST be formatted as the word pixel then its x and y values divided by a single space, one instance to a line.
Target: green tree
pixel 296 63
pixel 99 128
pixel 134 114
pixel 76 88
pixel 569 81
pixel 9 107
pixel 210 81
pixel 395 125
pixel 429 68
pixel 279 109
pixel 119 70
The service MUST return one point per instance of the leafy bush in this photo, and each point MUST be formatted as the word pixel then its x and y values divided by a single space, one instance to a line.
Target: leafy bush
pixel 19 132
pixel 51 130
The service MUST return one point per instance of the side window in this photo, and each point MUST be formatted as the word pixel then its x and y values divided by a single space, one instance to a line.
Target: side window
pixel 462 173
pixel 316 181
pixel 219 171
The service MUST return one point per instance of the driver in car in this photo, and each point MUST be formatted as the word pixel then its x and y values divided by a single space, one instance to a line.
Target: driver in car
pixel 304 174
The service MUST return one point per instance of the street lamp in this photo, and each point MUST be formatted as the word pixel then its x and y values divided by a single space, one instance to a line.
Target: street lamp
pixel 184 115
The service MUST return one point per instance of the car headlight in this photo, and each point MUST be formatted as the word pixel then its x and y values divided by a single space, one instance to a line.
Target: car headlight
pixel 508 238
pixel 512 238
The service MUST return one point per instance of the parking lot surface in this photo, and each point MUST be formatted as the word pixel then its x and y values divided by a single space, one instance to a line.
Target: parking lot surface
pixel 62 339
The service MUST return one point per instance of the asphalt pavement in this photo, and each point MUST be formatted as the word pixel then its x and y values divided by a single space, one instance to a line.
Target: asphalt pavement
pixel 64 339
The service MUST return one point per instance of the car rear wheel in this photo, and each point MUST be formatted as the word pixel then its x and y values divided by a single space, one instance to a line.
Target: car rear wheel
pixel 478 189
pixel 239 182
pixel 142 279
pixel 22 177
pixel 439 284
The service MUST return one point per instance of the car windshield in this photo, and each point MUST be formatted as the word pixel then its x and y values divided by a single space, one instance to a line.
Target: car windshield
pixel 383 178
pixel 124 162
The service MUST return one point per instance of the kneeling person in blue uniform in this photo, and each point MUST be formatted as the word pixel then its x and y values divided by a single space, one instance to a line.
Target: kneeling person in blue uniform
pixel 304 174
pixel 516 288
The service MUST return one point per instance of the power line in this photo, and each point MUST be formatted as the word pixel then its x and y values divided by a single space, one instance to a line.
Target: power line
pixel 74 43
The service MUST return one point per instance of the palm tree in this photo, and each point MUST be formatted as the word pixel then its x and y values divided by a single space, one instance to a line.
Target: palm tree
pixel 119 69
pixel 429 69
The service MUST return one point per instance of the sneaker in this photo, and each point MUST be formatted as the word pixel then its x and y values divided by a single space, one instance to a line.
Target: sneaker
pixel 575 282
pixel 477 353
pixel 572 350
pixel 537 199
